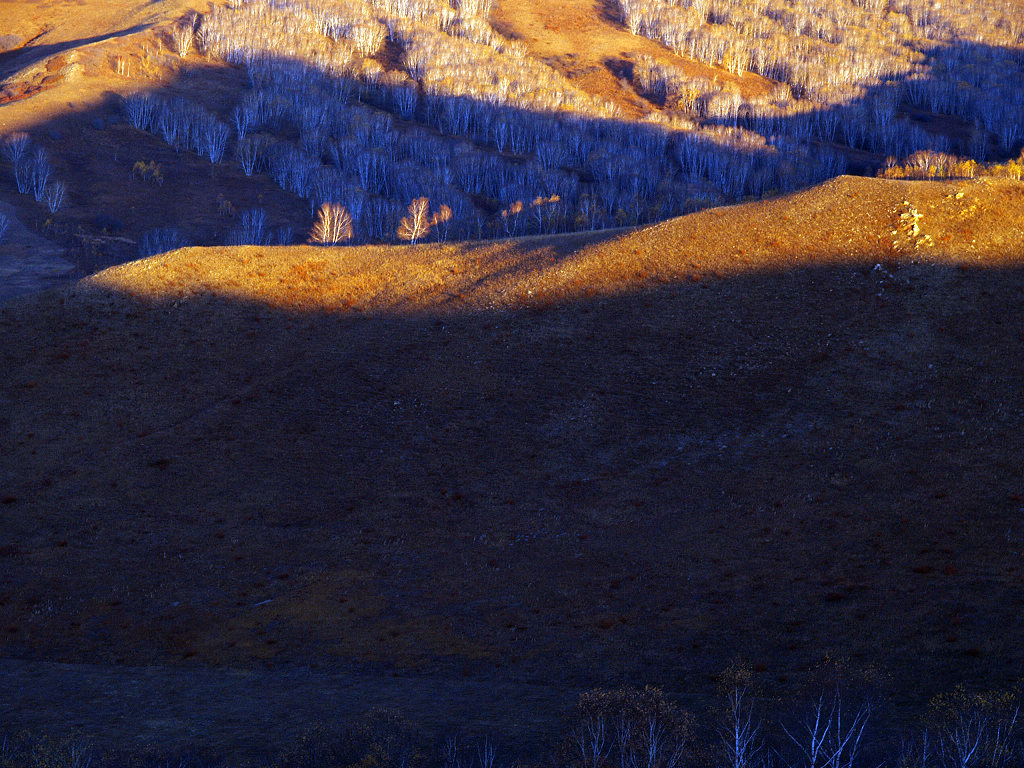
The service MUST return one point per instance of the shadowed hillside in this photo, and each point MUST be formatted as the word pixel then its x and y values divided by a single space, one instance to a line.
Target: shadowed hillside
pixel 771 432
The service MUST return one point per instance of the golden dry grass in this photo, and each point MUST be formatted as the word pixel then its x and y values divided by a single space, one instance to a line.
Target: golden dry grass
pixel 771 431
pixel 847 221
pixel 584 40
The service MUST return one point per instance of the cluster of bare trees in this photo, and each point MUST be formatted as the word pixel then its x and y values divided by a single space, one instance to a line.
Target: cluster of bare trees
pixel 180 122
pixel 631 728
pixel 253 228
pixel 33 174
pixel 161 240
pixel 505 145
pixel 485 132
pixel 941 165
pixel 841 724
pixel 486 67
pixel 868 63
pixel 821 48
pixel 256 31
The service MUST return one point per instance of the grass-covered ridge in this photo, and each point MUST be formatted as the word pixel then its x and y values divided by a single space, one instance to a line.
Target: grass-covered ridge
pixel 369 107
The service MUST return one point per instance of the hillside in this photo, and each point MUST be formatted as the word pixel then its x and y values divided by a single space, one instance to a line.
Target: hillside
pixel 772 431
pixel 129 128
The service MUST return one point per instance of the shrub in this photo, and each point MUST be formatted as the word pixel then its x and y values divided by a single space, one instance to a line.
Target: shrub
pixel 151 171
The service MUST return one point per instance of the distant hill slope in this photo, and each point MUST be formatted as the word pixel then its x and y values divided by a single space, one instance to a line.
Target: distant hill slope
pixel 768 432
pixel 849 220
pixel 586 42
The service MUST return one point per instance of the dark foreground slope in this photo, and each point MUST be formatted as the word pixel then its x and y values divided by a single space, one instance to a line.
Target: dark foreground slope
pixel 769 432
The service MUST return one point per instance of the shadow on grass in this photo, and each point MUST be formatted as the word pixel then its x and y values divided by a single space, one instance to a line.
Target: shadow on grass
pixel 109 206
pixel 777 467
pixel 25 56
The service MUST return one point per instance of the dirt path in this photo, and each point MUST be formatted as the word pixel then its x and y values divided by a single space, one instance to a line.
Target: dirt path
pixel 586 42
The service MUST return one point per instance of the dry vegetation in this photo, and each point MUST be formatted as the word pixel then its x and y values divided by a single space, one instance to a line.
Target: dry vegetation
pixel 852 69
pixel 768 430
pixel 371 104
pixel 726 435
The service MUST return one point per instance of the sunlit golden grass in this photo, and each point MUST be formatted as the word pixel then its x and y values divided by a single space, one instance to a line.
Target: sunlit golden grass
pixel 847 221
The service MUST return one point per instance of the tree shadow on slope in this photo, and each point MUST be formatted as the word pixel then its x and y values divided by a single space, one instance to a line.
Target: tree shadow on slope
pixel 22 57
pixel 504 170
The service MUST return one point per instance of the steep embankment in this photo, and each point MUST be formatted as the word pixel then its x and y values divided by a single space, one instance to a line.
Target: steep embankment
pixel 770 432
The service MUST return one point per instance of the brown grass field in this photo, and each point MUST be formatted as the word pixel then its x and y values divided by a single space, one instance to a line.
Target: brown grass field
pixel 242 489
pixel 772 432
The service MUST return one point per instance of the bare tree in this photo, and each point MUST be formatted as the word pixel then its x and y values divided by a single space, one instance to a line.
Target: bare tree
pixel 15 146
pixel 589 737
pixel 419 220
pixel 481 8
pixel 55 195
pixel 512 217
pixel 243 120
pixel 450 753
pixel 248 151
pixel 486 753
pixel 251 230
pixel 740 737
pixel 830 735
pixel 41 171
pixel 184 34
pixel 333 225
pixel 139 111
pixel 977 732
pixel 213 139
pixel 23 174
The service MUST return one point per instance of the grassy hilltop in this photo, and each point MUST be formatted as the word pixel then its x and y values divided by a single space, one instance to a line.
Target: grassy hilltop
pixel 646 386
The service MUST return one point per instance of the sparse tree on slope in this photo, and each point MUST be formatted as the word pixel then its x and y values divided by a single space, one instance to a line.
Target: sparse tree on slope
pixel 419 220
pixel 333 225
